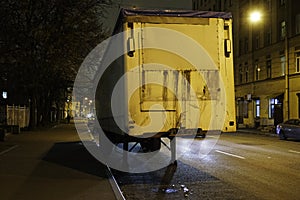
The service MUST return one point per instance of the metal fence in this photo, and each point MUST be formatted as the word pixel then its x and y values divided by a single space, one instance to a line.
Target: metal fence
pixel 17 115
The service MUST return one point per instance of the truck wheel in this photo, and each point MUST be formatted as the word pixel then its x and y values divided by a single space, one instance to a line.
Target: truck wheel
pixel 201 133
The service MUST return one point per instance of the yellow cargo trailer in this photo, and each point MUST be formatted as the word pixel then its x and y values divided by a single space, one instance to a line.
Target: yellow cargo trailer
pixel 175 77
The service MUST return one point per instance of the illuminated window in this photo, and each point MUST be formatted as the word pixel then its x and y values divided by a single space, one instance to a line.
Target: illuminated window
pixel 257 108
pixel 272 103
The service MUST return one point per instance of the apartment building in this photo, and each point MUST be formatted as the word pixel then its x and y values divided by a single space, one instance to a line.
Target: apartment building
pixel 266 58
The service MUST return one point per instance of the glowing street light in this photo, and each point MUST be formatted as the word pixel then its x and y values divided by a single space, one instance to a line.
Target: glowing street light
pixel 255 16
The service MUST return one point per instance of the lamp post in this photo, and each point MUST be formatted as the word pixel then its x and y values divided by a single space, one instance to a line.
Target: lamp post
pixel 255 17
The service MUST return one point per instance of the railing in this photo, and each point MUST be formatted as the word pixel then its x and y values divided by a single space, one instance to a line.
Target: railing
pixel 17 115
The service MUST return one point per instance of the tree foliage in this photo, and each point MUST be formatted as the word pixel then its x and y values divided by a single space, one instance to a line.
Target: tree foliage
pixel 43 43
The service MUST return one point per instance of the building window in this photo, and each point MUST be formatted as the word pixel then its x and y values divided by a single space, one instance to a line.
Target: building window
pixel 272 103
pixel 282 64
pixel 269 68
pixel 298 24
pixel 282 30
pixel 298 62
pixel 257 41
pixel 240 74
pixel 268 37
pixel 268 5
pixel 257 72
pixel 240 47
pixel 257 108
pixel 246 45
pixel 246 73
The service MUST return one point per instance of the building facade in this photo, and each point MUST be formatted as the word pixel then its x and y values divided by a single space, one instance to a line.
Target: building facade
pixel 266 59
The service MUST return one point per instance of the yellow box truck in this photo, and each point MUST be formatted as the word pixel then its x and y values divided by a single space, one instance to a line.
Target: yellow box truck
pixel 172 75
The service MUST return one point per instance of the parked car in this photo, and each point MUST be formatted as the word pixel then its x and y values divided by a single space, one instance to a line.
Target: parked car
pixel 289 129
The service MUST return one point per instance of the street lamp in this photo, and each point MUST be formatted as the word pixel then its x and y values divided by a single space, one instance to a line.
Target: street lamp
pixel 255 16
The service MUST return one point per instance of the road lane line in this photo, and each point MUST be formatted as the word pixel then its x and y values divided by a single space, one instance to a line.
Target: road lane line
pixel 9 149
pixel 213 136
pixel 292 151
pixel 230 154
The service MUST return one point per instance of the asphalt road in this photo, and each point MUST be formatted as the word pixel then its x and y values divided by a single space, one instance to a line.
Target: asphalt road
pixel 227 166
pixel 51 164
pixel 264 166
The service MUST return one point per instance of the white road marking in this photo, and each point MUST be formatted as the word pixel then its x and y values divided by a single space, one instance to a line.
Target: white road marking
pixel 230 154
pixel 9 149
pixel 292 151
pixel 213 136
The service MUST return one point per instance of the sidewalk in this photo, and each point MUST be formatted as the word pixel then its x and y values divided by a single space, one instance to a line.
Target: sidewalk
pixel 51 164
pixel 257 131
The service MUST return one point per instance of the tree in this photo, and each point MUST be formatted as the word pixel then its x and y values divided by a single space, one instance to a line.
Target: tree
pixel 42 44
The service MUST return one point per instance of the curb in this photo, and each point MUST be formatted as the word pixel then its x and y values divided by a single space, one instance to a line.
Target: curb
pixel 9 149
pixel 115 187
pixel 256 132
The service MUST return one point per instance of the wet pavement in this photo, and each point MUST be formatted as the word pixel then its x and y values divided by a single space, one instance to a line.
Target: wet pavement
pixel 179 181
